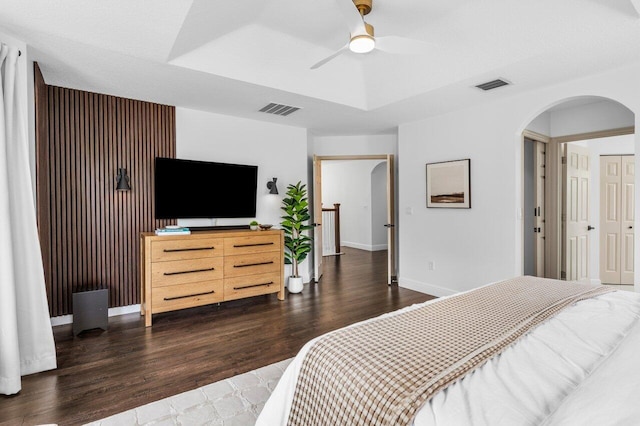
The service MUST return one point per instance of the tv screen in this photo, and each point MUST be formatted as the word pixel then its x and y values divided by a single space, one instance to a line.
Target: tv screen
pixel 200 189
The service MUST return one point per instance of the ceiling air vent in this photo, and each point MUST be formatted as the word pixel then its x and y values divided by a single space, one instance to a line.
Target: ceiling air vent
pixel 490 85
pixel 279 109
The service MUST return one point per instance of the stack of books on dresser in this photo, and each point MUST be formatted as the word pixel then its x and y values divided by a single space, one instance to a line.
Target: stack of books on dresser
pixel 173 230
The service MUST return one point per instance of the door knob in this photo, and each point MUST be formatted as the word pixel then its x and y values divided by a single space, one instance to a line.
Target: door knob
pixel 631 227
pixel 589 227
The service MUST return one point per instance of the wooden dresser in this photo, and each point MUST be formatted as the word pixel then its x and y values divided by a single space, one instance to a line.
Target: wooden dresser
pixel 183 271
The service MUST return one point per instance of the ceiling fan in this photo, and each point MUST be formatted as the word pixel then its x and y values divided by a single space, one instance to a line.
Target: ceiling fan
pixel 362 39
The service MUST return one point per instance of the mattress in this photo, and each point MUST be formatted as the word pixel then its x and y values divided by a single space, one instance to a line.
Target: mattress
pixel 578 367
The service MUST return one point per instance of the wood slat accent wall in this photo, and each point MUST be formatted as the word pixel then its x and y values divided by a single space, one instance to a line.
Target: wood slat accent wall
pixel 89 232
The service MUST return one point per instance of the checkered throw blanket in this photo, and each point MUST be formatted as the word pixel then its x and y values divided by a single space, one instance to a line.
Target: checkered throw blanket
pixel 381 372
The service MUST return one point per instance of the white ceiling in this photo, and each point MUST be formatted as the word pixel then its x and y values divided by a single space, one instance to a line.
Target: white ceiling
pixel 234 57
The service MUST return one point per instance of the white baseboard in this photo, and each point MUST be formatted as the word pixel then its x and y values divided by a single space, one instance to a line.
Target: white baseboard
pixel 120 310
pixel 367 247
pixel 596 281
pixel 431 289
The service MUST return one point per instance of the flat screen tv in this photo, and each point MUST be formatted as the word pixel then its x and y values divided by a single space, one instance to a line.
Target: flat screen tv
pixel 200 189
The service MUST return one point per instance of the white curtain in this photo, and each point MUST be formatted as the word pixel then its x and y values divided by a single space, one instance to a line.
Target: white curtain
pixel 26 337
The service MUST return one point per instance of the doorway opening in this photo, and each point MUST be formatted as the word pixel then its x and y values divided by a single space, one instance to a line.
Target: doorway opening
pixel 602 199
pixel 577 160
pixel 364 187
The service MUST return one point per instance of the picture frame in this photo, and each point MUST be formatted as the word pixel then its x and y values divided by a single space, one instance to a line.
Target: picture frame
pixel 449 184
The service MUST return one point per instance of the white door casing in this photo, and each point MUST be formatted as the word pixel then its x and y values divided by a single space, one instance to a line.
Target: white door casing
pixel 577 217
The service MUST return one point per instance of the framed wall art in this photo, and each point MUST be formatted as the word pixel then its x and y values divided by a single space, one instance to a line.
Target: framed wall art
pixel 449 184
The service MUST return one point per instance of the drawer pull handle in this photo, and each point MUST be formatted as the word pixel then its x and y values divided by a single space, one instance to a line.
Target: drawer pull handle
pixel 189 272
pixel 188 295
pixel 253 264
pixel 253 285
pixel 188 249
pixel 253 245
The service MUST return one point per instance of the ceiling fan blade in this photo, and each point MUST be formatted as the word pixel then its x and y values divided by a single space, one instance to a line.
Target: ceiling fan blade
pixel 402 45
pixel 330 57
pixel 352 17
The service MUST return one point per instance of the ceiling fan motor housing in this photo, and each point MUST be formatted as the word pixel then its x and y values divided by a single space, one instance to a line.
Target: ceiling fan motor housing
pixel 364 6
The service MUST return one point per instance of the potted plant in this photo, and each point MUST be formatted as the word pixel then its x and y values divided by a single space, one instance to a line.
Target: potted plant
pixel 254 225
pixel 297 244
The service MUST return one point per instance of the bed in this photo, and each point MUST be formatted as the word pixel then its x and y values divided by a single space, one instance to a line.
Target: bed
pixel 576 365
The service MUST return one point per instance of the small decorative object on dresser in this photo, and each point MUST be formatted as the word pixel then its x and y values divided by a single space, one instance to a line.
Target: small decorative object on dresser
pixel 253 225
pixel 183 271
pixel 265 226
pixel 297 244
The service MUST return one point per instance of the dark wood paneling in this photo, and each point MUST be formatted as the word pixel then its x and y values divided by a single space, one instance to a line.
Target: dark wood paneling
pixel 102 373
pixel 88 230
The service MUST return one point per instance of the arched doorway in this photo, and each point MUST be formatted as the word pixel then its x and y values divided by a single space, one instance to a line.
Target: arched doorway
pixel 556 195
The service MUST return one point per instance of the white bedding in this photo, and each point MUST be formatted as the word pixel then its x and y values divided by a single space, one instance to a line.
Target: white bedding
pixel 580 367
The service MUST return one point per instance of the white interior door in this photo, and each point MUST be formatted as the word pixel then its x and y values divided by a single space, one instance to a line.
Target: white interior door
pixel 539 216
pixel 577 217
pixel 317 218
pixel 628 215
pixel 617 211
pixel 610 218
pixel 391 227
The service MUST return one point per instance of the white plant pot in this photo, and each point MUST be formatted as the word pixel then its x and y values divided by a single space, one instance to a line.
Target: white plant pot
pixel 295 284
pixel 254 227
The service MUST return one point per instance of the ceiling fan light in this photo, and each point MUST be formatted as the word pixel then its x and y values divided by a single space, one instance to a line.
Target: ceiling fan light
pixel 362 43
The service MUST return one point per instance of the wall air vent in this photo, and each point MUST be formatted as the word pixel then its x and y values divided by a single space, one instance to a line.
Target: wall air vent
pixel 490 85
pixel 279 109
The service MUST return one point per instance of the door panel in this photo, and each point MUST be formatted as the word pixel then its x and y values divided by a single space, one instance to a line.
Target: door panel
pixel 617 212
pixel 577 213
pixel 539 180
pixel 610 219
pixel 627 202
pixel 391 230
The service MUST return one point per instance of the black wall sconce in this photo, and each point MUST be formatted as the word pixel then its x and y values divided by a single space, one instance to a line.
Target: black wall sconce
pixel 271 185
pixel 122 180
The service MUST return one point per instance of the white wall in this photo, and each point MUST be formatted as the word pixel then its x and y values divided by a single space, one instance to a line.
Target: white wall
pixel 278 151
pixel 379 206
pixel 592 117
pixel 541 124
pixel 350 184
pixel 483 244
pixel 617 145
pixel 354 145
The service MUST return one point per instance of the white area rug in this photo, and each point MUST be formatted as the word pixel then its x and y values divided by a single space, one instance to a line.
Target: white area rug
pixel 236 401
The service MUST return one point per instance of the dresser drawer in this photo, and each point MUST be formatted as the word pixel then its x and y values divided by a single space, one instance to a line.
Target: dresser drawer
pixel 236 266
pixel 162 251
pixel 252 244
pixel 254 285
pixel 186 271
pixel 183 296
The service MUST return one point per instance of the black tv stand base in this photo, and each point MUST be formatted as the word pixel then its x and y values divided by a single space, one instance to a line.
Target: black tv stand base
pixel 216 228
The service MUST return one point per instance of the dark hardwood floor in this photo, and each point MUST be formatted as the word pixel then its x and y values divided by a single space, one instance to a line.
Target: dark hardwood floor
pixel 102 373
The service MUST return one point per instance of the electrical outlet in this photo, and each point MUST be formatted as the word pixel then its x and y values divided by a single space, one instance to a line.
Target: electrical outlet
pixel 431 265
